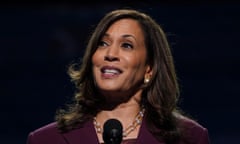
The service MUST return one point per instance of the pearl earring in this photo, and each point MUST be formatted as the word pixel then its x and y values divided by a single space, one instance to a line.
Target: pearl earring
pixel 146 80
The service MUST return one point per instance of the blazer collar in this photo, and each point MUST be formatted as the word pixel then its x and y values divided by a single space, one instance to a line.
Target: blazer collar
pixel 83 135
pixel 145 137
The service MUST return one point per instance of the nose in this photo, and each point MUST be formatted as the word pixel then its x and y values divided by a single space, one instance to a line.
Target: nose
pixel 110 58
pixel 112 54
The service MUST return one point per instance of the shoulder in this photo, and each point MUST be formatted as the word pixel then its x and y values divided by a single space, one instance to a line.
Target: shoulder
pixel 192 131
pixel 50 128
pixel 189 123
pixel 50 134
pixel 45 134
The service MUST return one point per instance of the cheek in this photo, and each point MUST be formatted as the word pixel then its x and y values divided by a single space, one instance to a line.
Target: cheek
pixel 137 62
pixel 138 68
pixel 95 63
pixel 96 58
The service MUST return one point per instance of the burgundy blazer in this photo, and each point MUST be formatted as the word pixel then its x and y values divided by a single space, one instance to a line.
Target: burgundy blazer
pixel 195 134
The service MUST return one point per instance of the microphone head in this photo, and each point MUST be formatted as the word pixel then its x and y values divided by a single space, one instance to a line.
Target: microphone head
pixel 112 131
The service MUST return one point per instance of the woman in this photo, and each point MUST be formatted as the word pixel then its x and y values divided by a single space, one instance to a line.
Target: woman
pixel 127 73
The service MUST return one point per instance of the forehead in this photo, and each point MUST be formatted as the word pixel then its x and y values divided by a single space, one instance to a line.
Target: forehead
pixel 126 26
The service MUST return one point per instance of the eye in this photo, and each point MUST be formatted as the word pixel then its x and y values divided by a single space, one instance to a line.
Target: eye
pixel 102 44
pixel 127 45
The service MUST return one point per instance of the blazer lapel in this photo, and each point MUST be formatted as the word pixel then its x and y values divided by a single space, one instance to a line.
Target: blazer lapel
pixel 145 137
pixel 85 134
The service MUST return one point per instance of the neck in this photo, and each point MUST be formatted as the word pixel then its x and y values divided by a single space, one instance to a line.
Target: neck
pixel 123 112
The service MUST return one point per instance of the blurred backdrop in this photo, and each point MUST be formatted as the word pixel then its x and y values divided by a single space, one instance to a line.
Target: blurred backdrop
pixel 38 42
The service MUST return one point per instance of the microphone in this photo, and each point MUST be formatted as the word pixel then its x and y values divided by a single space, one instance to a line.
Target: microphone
pixel 112 132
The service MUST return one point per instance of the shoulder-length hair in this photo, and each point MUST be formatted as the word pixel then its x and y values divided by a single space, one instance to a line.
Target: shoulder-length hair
pixel 160 94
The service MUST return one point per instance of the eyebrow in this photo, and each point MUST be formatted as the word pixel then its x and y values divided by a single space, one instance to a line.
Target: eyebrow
pixel 124 36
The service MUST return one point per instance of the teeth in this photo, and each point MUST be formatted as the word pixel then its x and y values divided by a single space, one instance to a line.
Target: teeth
pixel 111 71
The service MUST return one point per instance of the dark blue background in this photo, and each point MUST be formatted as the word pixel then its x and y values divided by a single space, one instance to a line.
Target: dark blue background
pixel 39 41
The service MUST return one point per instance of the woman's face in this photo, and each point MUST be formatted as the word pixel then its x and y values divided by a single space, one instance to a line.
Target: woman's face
pixel 119 63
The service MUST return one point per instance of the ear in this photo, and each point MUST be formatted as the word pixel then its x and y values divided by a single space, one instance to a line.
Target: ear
pixel 148 72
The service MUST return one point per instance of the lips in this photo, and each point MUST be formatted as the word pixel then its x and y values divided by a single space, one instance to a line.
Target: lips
pixel 110 71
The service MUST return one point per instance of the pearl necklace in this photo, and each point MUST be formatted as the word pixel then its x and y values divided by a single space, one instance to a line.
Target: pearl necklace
pixel 137 121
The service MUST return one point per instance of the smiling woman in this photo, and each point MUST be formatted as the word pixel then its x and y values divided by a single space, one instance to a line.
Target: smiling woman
pixel 119 63
pixel 127 74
